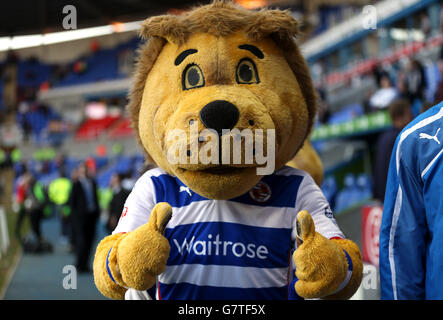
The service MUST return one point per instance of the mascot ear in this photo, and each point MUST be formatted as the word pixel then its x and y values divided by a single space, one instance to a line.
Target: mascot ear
pixel 168 27
pixel 278 23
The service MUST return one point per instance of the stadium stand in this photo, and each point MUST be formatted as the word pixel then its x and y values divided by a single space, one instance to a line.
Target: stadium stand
pixel 122 129
pixel 92 128
pixel 101 65
pixel 345 60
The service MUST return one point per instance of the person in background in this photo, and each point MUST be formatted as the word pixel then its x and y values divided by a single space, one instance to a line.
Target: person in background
pixel 23 185
pixel 35 204
pixel 425 24
pixel 426 106
pixel 441 18
pixel 400 114
pixel 415 81
pixel 58 192
pixel 31 198
pixel 117 203
pixel 385 94
pixel 411 233
pixel 438 97
pixel 59 162
pixel 85 212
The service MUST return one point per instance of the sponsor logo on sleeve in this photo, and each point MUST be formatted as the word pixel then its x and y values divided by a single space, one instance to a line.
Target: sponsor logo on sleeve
pixel 125 212
pixel 329 213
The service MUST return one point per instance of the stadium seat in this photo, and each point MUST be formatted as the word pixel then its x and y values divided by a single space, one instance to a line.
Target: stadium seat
pixel 346 114
pixel 92 128
pixel 101 162
pixel 32 73
pixel 100 66
pixel 46 179
pixel 122 129
pixel 364 187
pixel 123 165
pixel 71 164
pixel 349 195
pixel 330 190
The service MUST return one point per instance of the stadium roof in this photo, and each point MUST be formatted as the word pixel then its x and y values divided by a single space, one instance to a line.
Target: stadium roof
pixel 20 17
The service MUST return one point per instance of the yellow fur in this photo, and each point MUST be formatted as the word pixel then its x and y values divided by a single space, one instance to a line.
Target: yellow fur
pixel 357 273
pixel 274 103
pixel 222 19
pixel 283 99
pixel 321 264
pixel 101 277
pixel 308 160
pixel 133 268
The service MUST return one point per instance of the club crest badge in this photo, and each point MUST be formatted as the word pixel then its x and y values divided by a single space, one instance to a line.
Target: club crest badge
pixel 261 192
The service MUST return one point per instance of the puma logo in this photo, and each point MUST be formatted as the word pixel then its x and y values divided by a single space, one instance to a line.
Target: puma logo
pixel 185 189
pixel 427 136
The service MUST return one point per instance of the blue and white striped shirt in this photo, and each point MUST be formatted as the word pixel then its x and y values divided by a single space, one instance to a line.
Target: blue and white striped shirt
pixel 229 249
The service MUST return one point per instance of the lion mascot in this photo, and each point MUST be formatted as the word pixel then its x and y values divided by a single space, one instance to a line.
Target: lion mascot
pixel 224 229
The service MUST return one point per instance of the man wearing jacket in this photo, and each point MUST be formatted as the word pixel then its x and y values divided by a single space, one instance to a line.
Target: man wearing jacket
pixel 411 235
pixel 85 211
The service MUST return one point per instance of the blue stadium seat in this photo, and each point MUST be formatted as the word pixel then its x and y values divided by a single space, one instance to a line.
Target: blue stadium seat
pixel 330 189
pixel 32 73
pixel 123 165
pixel 101 65
pixel 104 178
pixel 349 195
pixel 101 162
pixel 364 187
pixel 71 164
pixel 19 169
pixel 348 113
pixel 46 179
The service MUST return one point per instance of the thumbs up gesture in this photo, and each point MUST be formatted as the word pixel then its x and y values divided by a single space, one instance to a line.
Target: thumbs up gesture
pixel 321 264
pixel 143 252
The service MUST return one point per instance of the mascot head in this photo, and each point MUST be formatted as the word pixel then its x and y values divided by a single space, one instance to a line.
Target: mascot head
pixel 212 74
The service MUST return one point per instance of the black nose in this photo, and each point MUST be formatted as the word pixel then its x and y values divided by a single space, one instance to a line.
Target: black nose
pixel 218 115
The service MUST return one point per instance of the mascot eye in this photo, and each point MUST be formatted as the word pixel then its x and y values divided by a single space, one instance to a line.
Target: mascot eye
pixel 192 77
pixel 247 72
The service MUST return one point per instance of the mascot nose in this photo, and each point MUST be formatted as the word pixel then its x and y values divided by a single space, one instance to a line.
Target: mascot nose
pixel 218 115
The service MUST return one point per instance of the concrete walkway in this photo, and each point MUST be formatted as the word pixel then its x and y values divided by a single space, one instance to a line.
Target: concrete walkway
pixel 40 276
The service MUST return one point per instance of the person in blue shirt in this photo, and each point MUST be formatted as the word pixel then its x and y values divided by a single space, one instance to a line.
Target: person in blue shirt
pixel 411 234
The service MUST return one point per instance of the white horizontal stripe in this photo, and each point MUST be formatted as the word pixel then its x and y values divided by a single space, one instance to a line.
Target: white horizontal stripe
pixel 234 212
pixel 132 294
pixel 225 276
pixel 290 171
pixel 429 166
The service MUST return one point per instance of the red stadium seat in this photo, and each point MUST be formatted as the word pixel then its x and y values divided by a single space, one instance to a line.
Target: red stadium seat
pixel 122 129
pixel 92 128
